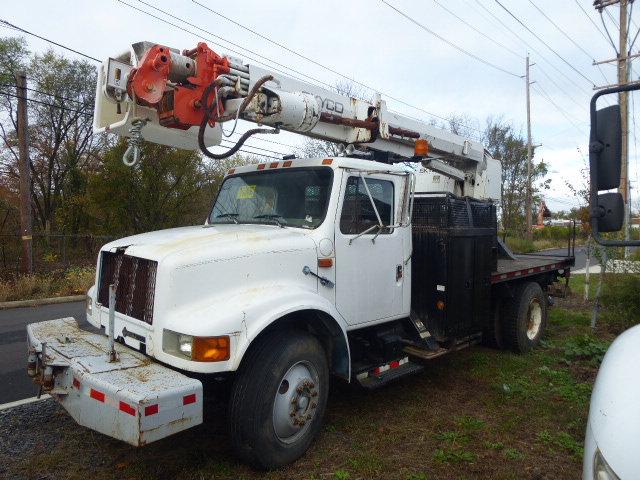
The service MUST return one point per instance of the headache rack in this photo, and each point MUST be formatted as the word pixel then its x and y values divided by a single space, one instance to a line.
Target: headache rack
pixel 135 282
pixel 454 253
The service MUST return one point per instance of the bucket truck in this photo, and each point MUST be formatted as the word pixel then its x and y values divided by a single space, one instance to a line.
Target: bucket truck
pixel 364 266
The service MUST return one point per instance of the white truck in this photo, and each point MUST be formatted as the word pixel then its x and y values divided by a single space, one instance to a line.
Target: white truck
pixel 363 266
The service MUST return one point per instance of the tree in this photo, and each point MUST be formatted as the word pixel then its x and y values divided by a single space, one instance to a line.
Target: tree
pixel 60 112
pixel 165 189
pixel 510 148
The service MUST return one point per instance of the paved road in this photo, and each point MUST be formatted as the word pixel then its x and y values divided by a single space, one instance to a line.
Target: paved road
pixel 14 383
pixel 581 256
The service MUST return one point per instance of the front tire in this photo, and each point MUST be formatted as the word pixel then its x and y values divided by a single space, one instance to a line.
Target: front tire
pixel 525 317
pixel 278 399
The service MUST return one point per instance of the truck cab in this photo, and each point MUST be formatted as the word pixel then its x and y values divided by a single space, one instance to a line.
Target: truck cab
pixel 328 236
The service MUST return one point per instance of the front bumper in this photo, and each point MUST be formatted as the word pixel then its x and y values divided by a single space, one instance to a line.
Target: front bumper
pixel 133 399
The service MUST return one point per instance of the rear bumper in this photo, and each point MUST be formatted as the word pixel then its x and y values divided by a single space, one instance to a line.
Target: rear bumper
pixel 133 399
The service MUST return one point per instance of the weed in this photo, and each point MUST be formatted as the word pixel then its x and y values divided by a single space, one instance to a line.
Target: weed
pixel 453 437
pixel 453 456
pixel 367 464
pixel 585 348
pixel 513 454
pixel 470 424
pixel 545 437
pixel 417 476
pixel 494 445
pixel 341 475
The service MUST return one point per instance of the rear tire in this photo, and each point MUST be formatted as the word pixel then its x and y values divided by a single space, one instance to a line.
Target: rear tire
pixel 493 332
pixel 278 399
pixel 524 317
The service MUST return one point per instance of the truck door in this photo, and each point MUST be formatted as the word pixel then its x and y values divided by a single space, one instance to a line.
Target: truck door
pixel 370 271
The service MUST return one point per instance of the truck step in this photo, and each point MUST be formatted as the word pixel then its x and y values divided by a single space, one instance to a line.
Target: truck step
pixel 389 372
pixel 423 353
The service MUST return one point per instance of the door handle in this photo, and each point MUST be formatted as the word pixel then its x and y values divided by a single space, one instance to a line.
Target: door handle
pixel 399 272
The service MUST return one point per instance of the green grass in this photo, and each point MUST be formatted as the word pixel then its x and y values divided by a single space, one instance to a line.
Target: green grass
pixel 477 413
pixel 577 282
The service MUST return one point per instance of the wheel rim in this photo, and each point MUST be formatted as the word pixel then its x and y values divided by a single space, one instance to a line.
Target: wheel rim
pixel 296 402
pixel 534 319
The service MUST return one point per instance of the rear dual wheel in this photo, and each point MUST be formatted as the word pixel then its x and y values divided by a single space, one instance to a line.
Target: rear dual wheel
pixel 524 317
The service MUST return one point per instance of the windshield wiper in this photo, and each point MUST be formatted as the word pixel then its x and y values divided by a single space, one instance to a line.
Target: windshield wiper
pixel 232 216
pixel 278 219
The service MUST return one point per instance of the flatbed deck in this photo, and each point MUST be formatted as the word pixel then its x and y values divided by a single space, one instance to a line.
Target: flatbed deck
pixel 529 265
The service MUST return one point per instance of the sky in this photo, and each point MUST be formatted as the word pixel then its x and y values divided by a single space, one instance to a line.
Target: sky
pixel 370 42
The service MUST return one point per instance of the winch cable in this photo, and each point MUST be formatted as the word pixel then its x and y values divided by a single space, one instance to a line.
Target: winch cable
pixel 210 115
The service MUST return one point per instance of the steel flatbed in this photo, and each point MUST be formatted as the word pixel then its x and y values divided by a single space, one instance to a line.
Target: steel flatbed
pixel 528 265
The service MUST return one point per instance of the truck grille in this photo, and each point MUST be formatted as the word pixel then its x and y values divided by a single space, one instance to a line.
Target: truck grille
pixel 135 281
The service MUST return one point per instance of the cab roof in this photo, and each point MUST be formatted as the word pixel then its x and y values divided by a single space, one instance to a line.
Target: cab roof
pixel 332 162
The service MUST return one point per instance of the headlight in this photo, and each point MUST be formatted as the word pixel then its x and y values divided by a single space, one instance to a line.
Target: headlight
pixel 198 349
pixel 89 306
pixel 601 469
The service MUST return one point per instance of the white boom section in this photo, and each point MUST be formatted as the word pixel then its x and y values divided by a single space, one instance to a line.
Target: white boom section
pixel 301 108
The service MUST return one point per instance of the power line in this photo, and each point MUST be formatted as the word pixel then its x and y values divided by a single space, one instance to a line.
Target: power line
pixel 479 31
pixel 595 25
pixel 223 39
pixel 562 111
pixel 451 44
pixel 11 25
pixel 403 102
pixel 561 30
pixel 50 94
pixel 545 43
pixel 79 112
pixel 533 49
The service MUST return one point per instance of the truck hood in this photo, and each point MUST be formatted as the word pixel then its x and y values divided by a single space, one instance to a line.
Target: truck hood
pixel 614 415
pixel 185 245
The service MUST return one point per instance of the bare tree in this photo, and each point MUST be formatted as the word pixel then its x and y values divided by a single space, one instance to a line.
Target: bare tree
pixel 60 125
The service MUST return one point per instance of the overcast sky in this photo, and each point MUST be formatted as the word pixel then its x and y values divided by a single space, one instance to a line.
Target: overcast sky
pixel 368 41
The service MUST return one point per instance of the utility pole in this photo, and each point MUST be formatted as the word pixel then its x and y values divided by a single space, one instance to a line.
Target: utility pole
pixel 528 216
pixel 622 59
pixel 25 175
pixel 623 78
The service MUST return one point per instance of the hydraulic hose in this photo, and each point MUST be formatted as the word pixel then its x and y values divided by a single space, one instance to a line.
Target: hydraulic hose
pixel 210 111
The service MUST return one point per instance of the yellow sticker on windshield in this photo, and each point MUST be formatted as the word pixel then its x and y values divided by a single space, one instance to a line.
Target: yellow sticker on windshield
pixel 246 191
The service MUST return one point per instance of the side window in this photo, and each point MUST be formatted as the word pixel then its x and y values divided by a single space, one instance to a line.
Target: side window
pixel 358 213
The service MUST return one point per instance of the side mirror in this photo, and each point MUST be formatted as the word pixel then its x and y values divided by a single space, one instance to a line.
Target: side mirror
pixel 607 146
pixel 611 208
pixel 605 161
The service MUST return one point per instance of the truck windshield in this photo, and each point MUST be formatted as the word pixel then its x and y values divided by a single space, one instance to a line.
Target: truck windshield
pixel 296 197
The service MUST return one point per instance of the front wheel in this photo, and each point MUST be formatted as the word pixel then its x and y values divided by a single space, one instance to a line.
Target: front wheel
pixel 278 399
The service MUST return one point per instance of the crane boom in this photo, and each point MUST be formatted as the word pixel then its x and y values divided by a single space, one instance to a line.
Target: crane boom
pixel 181 99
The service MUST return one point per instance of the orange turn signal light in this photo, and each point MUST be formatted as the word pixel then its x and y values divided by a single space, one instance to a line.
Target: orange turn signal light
pixel 421 148
pixel 211 349
pixel 440 305
pixel 327 161
pixel 325 262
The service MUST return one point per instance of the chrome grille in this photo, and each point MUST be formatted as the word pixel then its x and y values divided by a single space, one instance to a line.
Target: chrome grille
pixel 135 282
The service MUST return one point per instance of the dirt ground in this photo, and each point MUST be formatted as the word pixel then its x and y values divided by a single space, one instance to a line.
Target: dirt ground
pixel 478 413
